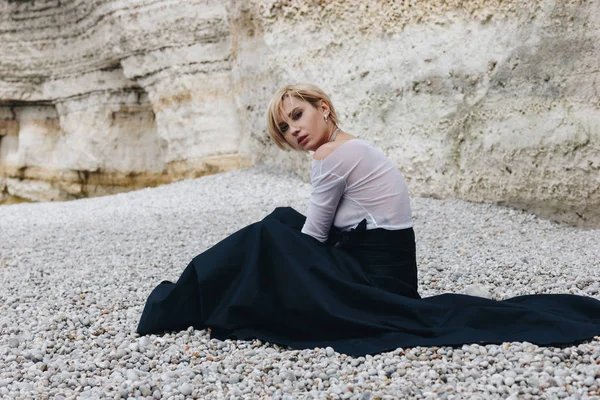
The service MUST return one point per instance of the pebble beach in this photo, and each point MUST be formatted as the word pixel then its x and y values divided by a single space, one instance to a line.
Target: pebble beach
pixel 75 277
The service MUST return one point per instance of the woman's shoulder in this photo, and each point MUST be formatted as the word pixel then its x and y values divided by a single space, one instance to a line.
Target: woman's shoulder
pixel 325 149
pixel 328 148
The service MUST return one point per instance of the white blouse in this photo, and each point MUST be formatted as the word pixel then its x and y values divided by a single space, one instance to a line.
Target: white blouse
pixel 354 182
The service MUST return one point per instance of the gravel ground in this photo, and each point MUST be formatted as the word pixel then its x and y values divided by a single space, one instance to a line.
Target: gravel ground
pixel 75 276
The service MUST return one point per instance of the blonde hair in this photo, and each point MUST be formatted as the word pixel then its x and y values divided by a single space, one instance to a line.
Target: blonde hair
pixel 307 92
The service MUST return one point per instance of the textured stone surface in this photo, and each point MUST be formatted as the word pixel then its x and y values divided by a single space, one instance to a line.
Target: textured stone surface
pixel 488 101
pixel 484 101
pixel 108 96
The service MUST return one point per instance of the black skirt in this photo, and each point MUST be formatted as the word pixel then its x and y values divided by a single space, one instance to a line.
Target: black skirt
pixel 356 293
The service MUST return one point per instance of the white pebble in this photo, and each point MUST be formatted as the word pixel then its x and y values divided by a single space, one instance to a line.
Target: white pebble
pixel 478 290
pixel 589 381
pixel 132 375
pixel 144 341
pixel 186 389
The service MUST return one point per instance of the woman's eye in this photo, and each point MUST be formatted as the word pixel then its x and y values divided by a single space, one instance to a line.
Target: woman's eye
pixel 297 115
pixel 283 128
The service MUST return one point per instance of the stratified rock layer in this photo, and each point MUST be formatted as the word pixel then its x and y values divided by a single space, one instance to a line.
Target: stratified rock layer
pixel 488 101
pixel 101 97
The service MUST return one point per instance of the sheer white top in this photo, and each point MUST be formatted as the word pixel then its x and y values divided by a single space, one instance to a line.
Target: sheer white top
pixel 354 182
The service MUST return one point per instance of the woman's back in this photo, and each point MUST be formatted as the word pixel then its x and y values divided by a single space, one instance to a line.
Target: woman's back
pixel 357 181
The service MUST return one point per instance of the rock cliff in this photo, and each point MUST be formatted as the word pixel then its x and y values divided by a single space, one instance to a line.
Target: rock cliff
pixel 104 96
pixel 488 101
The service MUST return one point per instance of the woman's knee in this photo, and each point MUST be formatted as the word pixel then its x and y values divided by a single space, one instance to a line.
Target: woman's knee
pixel 288 216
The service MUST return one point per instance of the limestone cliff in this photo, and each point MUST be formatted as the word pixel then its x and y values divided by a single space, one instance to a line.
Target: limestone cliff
pixel 104 96
pixel 493 101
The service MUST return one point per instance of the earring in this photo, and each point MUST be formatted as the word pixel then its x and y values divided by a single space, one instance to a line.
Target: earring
pixel 326 118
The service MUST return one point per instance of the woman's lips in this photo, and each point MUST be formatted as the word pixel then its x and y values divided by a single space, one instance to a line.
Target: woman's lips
pixel 302 139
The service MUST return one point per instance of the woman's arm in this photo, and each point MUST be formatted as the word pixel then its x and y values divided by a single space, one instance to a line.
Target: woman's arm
pixel 327 190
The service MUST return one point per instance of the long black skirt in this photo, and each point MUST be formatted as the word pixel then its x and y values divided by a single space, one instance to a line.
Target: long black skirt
pixel 356 293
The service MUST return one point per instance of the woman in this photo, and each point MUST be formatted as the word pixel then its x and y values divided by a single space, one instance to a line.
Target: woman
pixel 345 275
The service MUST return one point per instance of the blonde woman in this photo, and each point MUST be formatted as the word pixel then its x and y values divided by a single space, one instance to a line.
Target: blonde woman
pixel 345 275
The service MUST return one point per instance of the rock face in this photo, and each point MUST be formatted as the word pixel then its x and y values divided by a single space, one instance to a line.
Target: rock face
pixel 104 96
pixel 490 101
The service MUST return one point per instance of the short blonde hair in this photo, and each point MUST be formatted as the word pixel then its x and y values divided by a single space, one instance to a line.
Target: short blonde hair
pixel 307 92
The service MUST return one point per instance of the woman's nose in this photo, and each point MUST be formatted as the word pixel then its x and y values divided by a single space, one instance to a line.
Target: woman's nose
pixel 294 130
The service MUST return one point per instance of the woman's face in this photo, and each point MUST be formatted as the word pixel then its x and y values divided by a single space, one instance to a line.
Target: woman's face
pixel 307 129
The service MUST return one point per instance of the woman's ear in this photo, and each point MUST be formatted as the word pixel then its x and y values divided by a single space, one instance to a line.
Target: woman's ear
pixel 325 108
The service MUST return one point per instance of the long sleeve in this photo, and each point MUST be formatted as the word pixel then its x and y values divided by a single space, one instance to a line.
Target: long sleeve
pixel 327 190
